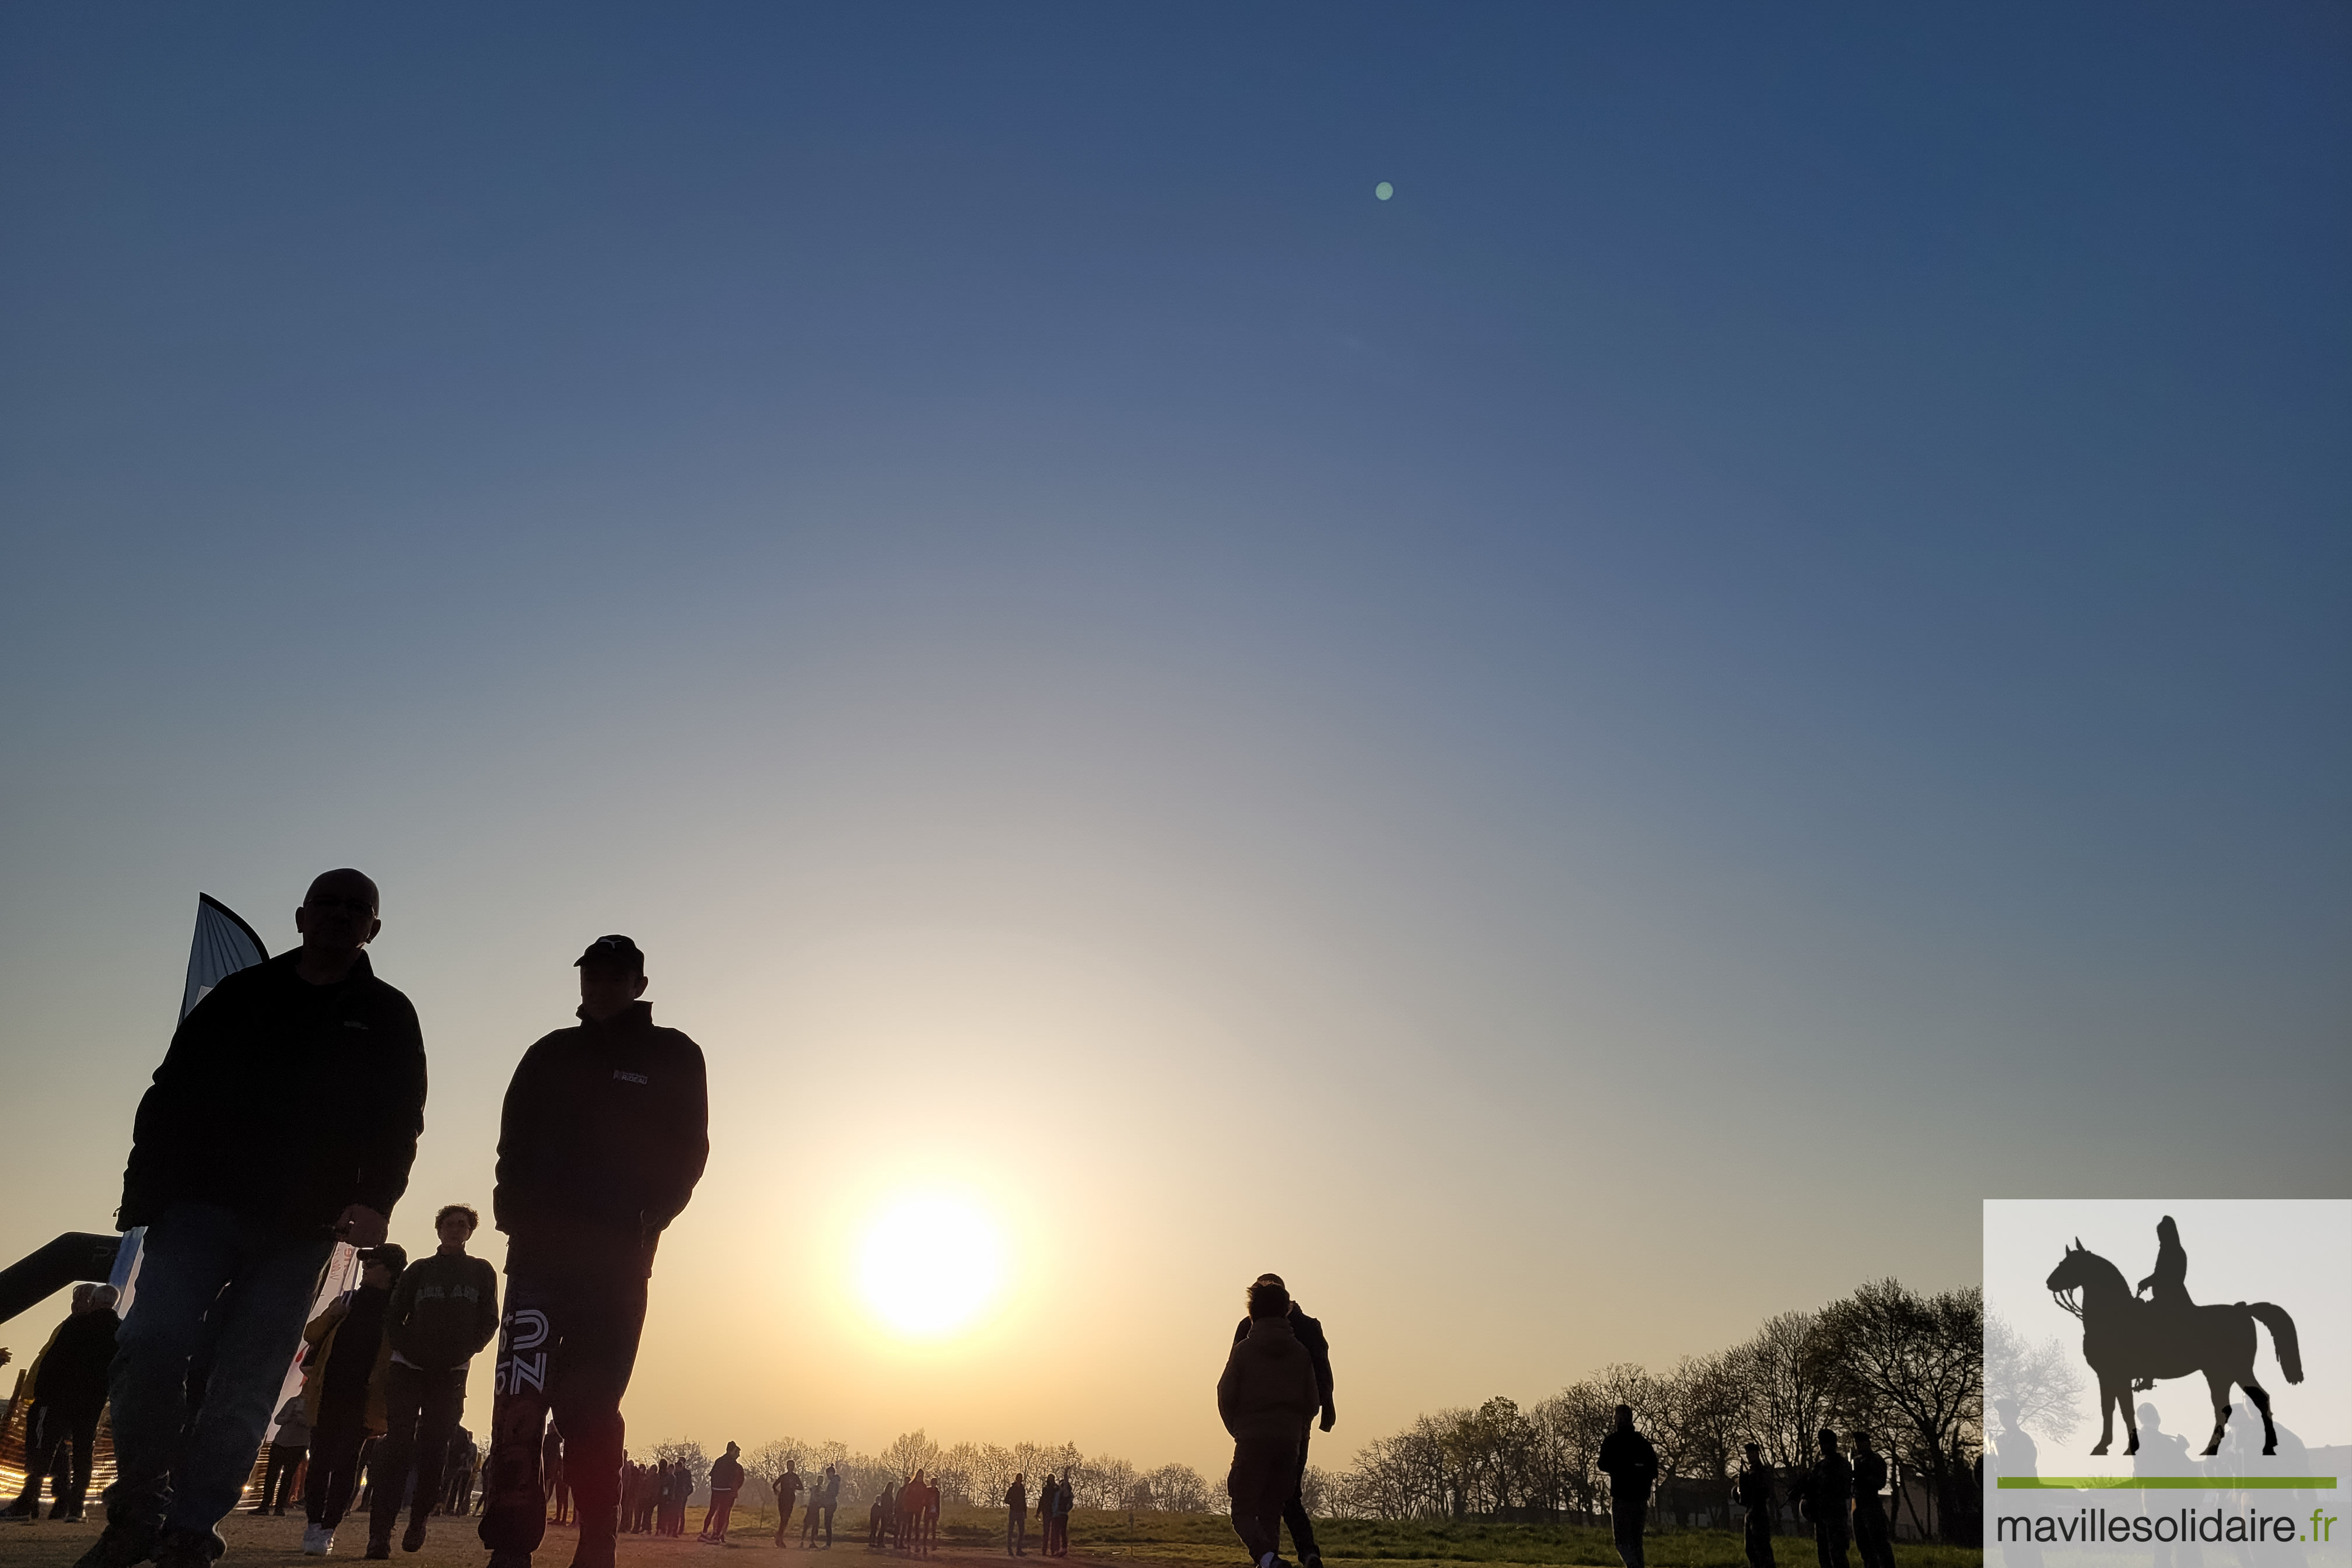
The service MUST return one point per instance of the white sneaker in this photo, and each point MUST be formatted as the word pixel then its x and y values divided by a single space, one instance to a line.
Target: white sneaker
pixel 318 1541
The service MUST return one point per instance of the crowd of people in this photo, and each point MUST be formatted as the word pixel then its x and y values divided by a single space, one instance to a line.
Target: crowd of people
pixel 603 1138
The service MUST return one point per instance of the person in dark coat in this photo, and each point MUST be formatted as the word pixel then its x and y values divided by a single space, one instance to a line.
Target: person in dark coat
pixel 242 1201
pixel 289 1445
pixel 726 1481
pixel 1755 1493
pixel 444 1309
pixel 788 1490
pixel 1016 1518
pixel 1309 1332
pixel 1872 1537
pixel 1828 1493
pixel 68 1391
pixel 1631 1463
pixel 1266 1397
pixel 603 1135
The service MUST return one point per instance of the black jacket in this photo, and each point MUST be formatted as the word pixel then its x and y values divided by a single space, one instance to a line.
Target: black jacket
pixel 604 1133
pixel 73 1369
pixel 444 1309
pixel 282 1100
pixel 1309 1332
pixel 1629 1461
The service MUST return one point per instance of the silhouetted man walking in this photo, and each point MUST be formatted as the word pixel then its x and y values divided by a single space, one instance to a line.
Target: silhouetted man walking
pixel 1265 1398
pixel 242 1201
pixel 1016 1518
pixel 1755 1493
pixel 1870 1536
pixel 1631 1463
pixel 726 1481
pixel 1829 1490
pixel 444 1309
pixel 1309 1332
pixel 604 1136
pixel 68 1391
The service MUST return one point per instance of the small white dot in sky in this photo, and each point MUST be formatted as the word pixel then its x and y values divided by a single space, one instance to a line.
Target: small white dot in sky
pixel 1384 190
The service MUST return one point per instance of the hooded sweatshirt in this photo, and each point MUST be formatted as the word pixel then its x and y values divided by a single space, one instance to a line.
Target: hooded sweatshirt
pixel 1269 1390
pixel 604 1136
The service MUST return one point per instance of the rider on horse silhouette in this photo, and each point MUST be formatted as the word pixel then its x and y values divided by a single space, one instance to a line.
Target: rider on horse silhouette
pixel 2170 1281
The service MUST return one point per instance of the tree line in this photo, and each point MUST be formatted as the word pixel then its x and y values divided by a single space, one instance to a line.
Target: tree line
pixel 1906 1366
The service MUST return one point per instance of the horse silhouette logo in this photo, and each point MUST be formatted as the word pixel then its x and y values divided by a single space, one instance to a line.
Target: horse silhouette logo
pixel 2130 1343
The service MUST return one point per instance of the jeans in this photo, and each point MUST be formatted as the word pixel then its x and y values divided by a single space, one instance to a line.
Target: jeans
pixel 1260 1482
pixel 1756 1535
pixel 715 1517
pixel 567 1346
pixel 1627 1514
pixel 1829 1542
pixel 334 1474
pixel 57 1448
pixel 1016 1532
pixel 278 1481
pixel 1870 1536
pixel 421 1411
pixel 208 1274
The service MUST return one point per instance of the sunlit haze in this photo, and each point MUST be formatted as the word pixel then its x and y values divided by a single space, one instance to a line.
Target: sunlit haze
pixel 1570 673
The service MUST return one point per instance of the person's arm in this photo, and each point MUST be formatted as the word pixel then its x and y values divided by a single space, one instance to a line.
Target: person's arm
pixel 513 1190
pixel 167 1133
pixel 316 1330
pixel 686 1149
pixel 397 1331
pixel 486 1307
pixel 393 1116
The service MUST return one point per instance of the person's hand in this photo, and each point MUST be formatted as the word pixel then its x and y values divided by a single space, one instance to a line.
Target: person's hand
pixel 362 1226
pixel 1330 1417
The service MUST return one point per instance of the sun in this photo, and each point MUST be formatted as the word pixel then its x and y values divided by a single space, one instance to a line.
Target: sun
pixel 930 1263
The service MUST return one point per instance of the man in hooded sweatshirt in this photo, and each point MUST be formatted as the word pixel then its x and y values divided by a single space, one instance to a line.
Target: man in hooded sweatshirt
pixel 1267 1396
pixel 603 1135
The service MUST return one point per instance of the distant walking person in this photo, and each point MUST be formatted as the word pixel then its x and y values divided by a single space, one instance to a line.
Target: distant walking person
pixel 287 1452
pixel 1065 1496
pixel 444 1309
pixel 788 1490
pixel 816 1515
pixel 242 1207
pixel 726 1481
pixel 1016 1518
pixel 464 1459
pixel 67 1390
pixel 551 1471
pixel 832 1496
pixel 603 1135
pixel 1829 1492
pixel 1294 1513
pixel 1631 1463
pixel 1266 1397
pixel 343 1392
pixel 1755 1493
pixel 1870 1536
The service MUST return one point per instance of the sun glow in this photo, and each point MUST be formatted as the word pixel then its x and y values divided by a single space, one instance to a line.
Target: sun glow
pixel 930 1264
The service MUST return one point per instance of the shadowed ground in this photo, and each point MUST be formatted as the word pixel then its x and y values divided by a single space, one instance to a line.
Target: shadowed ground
pixel 972 1535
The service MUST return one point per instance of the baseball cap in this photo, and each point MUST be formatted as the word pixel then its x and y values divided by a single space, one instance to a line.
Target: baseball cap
pixel 391 1253
pixel 617 951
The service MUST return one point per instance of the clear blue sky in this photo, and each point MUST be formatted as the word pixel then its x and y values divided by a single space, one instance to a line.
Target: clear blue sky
pixel 1759 655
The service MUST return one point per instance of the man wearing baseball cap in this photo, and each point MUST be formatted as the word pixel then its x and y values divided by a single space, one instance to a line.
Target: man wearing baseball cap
pixel 604 1136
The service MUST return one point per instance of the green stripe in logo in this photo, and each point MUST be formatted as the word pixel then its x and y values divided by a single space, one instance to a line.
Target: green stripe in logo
pixel 2165 1483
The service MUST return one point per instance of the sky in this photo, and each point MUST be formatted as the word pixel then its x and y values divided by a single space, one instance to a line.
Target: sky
pixel 1571 759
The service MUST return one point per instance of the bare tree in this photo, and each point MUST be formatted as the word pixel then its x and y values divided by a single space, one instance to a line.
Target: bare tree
pixel 909 1452
pixel 1913 1366
pixel 2044 1381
